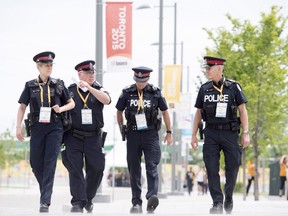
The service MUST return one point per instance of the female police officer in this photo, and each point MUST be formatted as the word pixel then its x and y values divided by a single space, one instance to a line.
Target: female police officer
pixel 217 103
pixel 48 97
pixel 83 142
pixel 141 102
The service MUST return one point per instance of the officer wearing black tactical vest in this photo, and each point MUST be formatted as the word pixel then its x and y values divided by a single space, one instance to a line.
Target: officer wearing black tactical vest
pixel 47 98
pixel 218 102
pixel 84 141
pixel 142 103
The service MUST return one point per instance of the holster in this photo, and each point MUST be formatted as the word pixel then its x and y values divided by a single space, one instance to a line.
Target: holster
pixel 28 123
pixel 103 137
pixel 123 132
pixel 201 130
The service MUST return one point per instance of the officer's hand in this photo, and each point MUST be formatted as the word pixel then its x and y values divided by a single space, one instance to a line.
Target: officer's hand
pixel 168 138
pixel 83 84
pixel 245 140
pixel 194 142
pixel 56 108
pixel 19 134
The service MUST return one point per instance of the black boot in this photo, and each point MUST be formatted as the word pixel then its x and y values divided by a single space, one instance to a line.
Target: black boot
pixel 228 204
pixel 217 208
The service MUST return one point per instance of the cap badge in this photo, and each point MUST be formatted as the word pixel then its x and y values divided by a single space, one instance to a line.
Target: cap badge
pixel 139 74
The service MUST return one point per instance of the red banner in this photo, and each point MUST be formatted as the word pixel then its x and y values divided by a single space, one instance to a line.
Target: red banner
pixel 119 35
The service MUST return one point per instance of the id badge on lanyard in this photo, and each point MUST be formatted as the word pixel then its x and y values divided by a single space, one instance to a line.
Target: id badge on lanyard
pixel 86 115
pixel 221 110
pixel 45 114
pixel 141 121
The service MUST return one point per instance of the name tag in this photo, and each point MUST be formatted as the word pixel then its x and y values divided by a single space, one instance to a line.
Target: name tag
pixel 45 114
pixel 86 115
pixel 221 110
pixel 141 121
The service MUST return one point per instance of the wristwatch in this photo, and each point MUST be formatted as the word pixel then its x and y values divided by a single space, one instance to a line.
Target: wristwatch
pixel 169 131
pixel 245 132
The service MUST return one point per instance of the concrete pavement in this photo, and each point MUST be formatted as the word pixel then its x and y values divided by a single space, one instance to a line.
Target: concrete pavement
pixel 19 201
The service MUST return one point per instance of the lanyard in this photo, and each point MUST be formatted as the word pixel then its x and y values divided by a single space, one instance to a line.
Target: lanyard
pixel 82 98
pixel 220 90
pixel 140 104
pixel 42 94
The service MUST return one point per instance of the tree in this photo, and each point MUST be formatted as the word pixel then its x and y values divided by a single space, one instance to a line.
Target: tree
pixel 257 57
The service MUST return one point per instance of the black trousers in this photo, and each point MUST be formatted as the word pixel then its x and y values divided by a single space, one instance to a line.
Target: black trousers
pixel 45 145
pixel 84 154
pixel 139 142
pixel 216 141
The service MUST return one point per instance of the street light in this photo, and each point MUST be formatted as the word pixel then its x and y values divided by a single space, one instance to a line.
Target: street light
pixel 160 60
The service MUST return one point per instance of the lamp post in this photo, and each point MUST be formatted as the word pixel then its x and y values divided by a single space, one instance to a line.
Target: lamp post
pixel 99 41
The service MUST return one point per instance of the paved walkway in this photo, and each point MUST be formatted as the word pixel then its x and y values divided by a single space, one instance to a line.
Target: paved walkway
pixel 25 202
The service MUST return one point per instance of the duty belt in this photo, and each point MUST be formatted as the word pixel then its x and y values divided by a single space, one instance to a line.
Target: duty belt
pixel 134 127
pixel 219 126
pixel 82 134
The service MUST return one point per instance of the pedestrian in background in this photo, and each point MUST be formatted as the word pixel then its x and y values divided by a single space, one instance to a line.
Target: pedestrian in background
pixel 251 175
pixel 218 103
pixel 143 103
pixel 48 98
pixel 283 177
pixel 190 175
pixel 84 141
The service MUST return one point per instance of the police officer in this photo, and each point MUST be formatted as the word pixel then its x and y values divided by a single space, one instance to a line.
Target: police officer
pixel 47 97
pixel 217 103
pixel 142 103
pixel 84 142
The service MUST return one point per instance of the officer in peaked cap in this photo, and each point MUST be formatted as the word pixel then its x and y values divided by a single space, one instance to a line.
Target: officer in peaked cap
pixel 44 57
pixel 141 74
pixel 143 104
pixel 48 99
pixel 219 102
pixel 85 66
pixel 86 131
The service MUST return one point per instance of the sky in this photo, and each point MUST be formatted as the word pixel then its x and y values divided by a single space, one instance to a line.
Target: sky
pixel 68 28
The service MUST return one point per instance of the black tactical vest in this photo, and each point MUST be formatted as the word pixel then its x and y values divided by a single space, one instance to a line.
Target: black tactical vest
pixel 56 88
pixel 151 95
pixel 210 99
pixel 92 103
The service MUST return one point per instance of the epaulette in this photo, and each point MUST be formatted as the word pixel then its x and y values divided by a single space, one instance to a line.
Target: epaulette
pixel 229 82
pixel 152 88
pixel 32 83
pixel 130 88
pixel 54 81
pixel 96 84
pixel 207 85
pixel 72 85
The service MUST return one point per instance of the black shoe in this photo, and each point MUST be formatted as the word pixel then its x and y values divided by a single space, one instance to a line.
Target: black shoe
pixel 228 205
pixel 217 208
pixel 89 207
pixel 136 209
pixel 44 207
pixel 76 208
pixel 152 203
